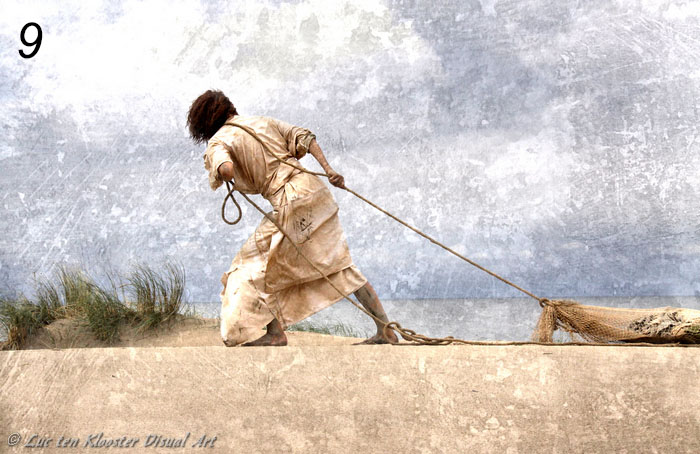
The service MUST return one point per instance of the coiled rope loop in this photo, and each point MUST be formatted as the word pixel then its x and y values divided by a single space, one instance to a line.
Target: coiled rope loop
pixel 223 207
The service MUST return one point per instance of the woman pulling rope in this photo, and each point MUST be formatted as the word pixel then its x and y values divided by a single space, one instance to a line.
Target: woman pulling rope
pixel 269 283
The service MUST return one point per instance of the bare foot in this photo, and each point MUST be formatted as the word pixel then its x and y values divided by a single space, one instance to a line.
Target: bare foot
pixel 380 339
pixel 274 340
pixel 370 301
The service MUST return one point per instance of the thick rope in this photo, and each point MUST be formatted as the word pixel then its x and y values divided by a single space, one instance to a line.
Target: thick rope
pixel 397 219
pixel 419 339
pixel 407 334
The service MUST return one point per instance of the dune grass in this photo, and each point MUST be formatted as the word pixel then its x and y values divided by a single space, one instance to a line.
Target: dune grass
pixel 21 318
pixel 156 298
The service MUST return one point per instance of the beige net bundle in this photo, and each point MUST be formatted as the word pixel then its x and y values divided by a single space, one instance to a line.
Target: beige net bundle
pixel 607 324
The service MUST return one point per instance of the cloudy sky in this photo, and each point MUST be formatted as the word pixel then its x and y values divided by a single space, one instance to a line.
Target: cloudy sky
pixel 554 141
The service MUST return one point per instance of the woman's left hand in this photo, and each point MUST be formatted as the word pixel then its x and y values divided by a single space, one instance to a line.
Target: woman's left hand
pixel 336 179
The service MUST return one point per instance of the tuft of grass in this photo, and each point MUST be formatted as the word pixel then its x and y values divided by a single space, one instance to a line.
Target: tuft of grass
pixel 78 291
pixel 83 298
pixel 158 297
pixel 104 313
pixel 48 300
pixel 337 329
pixel 20 319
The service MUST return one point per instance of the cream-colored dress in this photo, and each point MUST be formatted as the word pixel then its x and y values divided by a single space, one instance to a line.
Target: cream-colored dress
pixel 268 278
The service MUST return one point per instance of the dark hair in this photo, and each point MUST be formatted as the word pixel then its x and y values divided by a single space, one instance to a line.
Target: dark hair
pixel 207 114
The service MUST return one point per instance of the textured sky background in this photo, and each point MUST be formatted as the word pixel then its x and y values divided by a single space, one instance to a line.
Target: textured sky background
pixel 555 142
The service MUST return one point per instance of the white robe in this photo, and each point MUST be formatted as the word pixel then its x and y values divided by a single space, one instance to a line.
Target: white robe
pixel 268 278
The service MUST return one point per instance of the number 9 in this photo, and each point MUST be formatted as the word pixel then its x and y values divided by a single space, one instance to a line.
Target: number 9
pixel 36 42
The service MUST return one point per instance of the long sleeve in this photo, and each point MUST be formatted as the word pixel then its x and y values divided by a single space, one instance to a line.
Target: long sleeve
pixel 298 139
pixel 216 154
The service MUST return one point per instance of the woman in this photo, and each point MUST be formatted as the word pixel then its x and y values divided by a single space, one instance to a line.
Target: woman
pixel 269 283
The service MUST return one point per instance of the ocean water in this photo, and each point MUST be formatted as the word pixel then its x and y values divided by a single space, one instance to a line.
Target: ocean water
pixel 508 319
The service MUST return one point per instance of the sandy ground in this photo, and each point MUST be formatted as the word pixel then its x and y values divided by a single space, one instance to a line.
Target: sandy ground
pixel 180 385
pixel 185 332
pixel 346 399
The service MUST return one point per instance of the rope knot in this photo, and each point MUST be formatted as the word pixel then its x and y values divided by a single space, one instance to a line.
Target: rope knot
pixel 550 303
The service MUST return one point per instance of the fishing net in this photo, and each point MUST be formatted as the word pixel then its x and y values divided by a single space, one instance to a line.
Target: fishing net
pixel 607 324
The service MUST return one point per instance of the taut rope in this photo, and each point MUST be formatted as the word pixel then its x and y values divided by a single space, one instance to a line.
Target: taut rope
pixel 407 334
